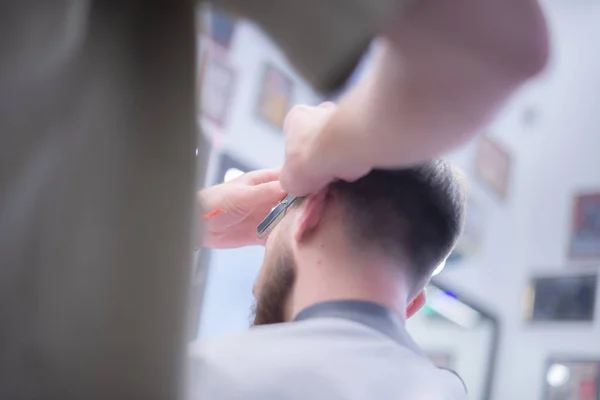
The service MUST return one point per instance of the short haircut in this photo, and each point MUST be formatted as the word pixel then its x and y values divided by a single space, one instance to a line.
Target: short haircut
pixel 413 214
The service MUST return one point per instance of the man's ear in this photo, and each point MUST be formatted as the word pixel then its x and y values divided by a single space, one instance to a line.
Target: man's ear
pixel 311 214
pixel 416 304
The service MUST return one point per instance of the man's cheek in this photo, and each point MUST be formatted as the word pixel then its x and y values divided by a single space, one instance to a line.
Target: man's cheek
pixel 268 242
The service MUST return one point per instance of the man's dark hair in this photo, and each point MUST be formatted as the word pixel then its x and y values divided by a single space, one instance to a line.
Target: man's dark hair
pixel 413 214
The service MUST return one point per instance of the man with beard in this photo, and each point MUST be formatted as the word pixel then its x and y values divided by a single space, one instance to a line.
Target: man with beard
pixel 98 169
pixel 343 269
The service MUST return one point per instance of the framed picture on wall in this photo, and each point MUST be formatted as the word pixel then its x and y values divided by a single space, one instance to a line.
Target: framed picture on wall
pixel 221 27
pixel 216 87
pixel 566 298
pixel 493 165
pixel 585 226
pixel 571 379
pixel 275 96
pixel 470 241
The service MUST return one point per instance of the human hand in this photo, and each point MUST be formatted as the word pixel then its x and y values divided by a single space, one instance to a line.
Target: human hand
pixel 311 160
pixel 246 201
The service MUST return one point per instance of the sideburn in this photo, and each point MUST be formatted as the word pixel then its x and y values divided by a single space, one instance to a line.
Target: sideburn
pixel 271 305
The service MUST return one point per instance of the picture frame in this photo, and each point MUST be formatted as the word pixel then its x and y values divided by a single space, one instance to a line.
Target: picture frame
pixel 493 166
pixel 275 96
pixel 221 27
pixel 563 298
pixel 571 378
pixel 216 89
pixel 585 227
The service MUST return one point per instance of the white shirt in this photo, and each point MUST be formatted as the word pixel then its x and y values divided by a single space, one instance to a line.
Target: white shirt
pixel 318 358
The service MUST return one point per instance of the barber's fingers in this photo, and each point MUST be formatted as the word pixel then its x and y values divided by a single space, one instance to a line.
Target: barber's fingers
pixel 328 105
pixel 299 182
pixel 268 194
pixel 260 176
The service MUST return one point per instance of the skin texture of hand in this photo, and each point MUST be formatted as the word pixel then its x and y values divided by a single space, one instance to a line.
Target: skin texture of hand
pixel 305 171
pixel 246 200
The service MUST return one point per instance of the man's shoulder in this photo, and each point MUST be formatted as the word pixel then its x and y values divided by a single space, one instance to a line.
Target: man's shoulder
pixel 281 348
pixel 317 355
pixel 264 340
pixel 333 333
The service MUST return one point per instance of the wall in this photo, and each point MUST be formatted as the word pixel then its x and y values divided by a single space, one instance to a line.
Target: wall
pixel 525 235
pixel 529 234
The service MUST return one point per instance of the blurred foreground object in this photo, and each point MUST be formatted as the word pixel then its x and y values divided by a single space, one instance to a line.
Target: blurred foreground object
pixel 98 131
pixel 97 182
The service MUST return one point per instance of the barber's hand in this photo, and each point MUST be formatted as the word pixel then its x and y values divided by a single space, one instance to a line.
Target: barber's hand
pixel 246 201
pixel 311 162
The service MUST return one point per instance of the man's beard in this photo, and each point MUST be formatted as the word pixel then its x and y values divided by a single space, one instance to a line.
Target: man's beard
pixel 271 303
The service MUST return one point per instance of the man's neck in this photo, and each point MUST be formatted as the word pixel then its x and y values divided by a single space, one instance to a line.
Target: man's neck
pixel 324 274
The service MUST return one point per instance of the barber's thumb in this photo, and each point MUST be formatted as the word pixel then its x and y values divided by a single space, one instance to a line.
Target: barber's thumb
pixel 298 117
pixel 289 183
pixel 300 185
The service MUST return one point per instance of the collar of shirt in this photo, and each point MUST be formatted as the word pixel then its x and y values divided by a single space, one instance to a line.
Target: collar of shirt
pixel 366 313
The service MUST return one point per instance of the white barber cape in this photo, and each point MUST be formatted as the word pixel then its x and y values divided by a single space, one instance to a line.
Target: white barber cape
pixel 346 350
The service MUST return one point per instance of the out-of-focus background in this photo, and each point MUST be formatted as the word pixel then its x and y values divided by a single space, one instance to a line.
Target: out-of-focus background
pixel 515 312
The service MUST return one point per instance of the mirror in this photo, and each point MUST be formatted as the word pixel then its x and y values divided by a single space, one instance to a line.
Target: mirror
pixel 457 335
